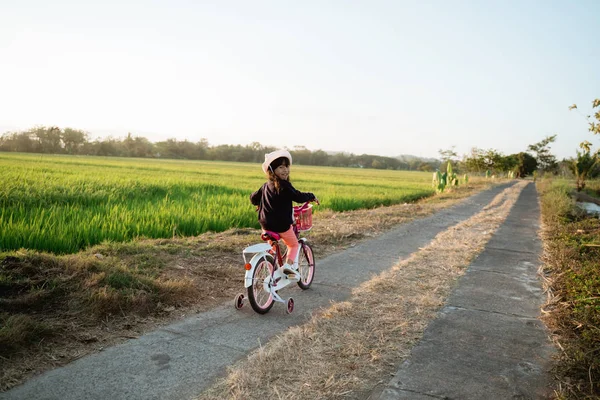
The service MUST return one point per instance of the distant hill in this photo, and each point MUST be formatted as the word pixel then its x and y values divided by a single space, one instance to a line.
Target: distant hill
pixel 402 157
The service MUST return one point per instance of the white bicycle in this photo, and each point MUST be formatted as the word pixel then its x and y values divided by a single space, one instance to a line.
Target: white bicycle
pixel 262 260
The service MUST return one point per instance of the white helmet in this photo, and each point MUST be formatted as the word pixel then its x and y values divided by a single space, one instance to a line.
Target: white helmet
pixel 274 155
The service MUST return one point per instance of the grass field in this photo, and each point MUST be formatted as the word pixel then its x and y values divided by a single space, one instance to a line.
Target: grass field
pixel 63 204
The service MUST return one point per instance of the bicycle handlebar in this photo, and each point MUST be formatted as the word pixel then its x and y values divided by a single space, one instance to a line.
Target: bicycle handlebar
pixel 305 205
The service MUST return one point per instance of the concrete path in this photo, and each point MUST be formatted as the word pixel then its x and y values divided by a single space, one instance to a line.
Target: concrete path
pixel 487 342
pixel 180 360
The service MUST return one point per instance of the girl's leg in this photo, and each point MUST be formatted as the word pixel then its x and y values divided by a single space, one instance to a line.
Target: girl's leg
pixel 291 241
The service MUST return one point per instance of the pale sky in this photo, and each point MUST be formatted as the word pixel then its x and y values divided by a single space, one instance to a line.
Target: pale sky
pixel 378 77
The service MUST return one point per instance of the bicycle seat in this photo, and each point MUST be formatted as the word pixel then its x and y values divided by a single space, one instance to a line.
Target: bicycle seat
pixel 268 235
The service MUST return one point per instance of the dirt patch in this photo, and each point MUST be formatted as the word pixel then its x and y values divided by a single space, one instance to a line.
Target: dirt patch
pixel 195 275
pixel 348 347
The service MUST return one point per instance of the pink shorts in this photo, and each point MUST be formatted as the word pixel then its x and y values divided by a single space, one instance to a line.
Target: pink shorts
pixel 291 241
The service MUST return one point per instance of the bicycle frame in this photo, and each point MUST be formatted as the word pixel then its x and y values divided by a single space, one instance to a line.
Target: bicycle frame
pixel 256 252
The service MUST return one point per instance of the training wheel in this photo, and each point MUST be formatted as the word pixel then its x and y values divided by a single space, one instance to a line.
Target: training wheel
pixel 289 304
pixel 239 301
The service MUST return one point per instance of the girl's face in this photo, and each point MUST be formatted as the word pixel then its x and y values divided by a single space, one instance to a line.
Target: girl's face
pixel 282 172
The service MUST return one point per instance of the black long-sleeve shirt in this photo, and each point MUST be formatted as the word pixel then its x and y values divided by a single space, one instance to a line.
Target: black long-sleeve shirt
pixel 275 209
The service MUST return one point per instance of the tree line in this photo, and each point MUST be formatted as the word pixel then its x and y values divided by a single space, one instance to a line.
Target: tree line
pixel 54 140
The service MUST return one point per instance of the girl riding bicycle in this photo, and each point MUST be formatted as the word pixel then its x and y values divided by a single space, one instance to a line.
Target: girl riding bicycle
pixel 274 201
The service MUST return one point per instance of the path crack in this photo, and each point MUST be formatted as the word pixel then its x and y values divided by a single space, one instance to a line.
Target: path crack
pixel 489 312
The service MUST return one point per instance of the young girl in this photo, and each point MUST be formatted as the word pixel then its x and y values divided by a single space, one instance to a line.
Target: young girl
pixel 274 201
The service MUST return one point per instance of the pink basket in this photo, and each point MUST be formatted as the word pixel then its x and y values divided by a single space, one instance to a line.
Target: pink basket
pixel 303 217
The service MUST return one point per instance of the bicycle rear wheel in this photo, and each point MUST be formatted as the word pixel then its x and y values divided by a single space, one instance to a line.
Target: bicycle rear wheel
pixel 306 266
pixel 260 300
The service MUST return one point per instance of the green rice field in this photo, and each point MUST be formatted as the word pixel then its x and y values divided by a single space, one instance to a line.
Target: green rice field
pixel 63 204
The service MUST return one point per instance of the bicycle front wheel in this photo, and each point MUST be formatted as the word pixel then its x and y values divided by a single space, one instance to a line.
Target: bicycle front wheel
pixel 261 300
pixel 306 266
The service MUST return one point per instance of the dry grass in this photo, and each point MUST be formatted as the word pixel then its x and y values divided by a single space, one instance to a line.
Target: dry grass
pixel 572 310
pixel 348 347
pixel 71 306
